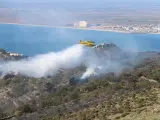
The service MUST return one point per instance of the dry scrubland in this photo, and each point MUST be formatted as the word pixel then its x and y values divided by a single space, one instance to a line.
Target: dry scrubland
pixel 133 94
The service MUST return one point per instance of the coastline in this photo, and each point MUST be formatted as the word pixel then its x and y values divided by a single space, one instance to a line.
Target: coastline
pixel 93 29
pixel 50 26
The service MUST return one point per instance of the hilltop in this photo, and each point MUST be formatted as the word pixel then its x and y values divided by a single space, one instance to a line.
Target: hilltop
pixel 130 94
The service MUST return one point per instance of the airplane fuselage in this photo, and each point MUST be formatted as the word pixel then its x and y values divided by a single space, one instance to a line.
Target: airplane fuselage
pixel 87 43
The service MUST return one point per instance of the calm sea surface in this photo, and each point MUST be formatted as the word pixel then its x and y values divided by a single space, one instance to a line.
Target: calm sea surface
pixel 33 40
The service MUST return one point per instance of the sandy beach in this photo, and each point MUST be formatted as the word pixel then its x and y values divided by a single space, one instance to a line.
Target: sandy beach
pixel 103 30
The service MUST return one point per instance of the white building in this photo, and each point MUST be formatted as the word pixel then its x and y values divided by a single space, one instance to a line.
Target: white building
pixel 82 24
pixel 14 54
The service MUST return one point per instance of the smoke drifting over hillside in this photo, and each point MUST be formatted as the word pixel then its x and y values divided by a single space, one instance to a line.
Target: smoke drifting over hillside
pixel 49 64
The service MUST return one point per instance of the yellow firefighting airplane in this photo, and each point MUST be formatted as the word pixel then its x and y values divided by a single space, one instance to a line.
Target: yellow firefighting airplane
pixel 87 43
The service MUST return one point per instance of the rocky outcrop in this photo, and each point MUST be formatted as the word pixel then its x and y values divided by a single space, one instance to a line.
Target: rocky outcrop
pixel 107 46
pixel 6 56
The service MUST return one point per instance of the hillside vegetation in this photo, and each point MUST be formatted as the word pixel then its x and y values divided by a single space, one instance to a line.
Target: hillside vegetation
pixel 131 94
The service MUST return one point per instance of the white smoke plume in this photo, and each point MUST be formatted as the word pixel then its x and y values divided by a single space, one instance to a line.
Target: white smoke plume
pixel 49 64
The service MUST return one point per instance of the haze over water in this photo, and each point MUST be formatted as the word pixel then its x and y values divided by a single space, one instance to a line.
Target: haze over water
pixel 33 40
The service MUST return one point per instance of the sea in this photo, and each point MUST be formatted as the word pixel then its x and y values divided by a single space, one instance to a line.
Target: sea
pixel 35 40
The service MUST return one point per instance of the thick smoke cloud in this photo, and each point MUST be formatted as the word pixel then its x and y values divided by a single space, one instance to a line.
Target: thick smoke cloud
pixel 49 64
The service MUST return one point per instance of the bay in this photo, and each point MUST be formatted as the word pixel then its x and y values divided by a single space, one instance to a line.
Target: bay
pixel 34 40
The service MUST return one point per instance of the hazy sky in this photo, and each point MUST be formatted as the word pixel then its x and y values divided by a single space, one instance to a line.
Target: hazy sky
pixel 119 1
pixel 78 3
pixel 81 1
pixel 51 9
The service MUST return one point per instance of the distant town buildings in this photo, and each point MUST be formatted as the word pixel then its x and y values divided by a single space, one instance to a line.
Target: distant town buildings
pixel 129 28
